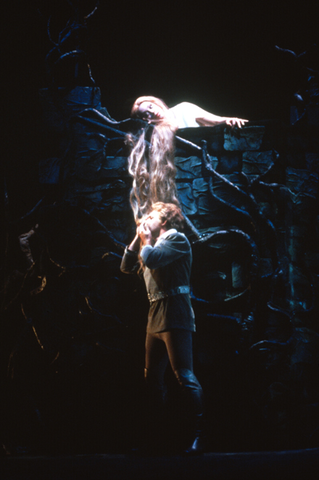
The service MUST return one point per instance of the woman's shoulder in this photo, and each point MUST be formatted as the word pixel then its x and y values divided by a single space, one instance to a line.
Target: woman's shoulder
pixel 184 105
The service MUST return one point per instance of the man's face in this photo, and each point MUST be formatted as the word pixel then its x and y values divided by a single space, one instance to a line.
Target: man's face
pixel 154 223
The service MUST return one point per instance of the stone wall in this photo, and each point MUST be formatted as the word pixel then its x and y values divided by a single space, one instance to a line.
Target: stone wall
pixel 251 200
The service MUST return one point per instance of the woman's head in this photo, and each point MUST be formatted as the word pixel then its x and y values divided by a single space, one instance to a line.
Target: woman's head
pixel 151 109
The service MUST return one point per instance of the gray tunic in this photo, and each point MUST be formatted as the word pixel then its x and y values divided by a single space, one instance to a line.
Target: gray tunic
pixel 167 268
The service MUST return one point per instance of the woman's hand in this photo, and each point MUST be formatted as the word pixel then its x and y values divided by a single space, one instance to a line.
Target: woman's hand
pixel 236 122
pixel 210 120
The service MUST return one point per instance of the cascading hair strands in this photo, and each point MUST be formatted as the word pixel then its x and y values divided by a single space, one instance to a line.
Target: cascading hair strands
pixel 151 164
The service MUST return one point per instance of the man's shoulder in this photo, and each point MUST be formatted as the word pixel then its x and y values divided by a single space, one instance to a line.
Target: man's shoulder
pixel 172 233
pixel 177 234
pixel 176 237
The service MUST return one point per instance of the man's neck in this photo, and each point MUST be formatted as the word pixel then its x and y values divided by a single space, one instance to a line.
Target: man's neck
pixel 162 230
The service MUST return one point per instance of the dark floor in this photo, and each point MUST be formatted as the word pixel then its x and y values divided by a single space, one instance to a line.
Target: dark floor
pixel 290 465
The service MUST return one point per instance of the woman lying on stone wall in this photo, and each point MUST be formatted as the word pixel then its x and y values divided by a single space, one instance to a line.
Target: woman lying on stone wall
pixel 183 115
pixel 151 162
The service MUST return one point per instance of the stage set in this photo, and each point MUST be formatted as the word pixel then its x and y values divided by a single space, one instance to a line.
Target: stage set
pixel 73 325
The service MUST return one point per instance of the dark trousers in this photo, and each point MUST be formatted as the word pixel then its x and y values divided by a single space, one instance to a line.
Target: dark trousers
pixel 174 346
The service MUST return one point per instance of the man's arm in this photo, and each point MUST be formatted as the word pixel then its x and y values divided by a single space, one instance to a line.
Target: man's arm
pixel 134 246
pixel 168 250
pixel 129 261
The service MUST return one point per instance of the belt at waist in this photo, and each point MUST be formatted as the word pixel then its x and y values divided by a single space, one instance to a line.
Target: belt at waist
pixel 153 297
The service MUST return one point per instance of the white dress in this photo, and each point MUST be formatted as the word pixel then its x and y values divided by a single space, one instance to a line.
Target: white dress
pixel 184 114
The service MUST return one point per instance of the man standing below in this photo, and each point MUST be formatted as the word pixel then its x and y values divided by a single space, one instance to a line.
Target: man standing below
pixel 165 256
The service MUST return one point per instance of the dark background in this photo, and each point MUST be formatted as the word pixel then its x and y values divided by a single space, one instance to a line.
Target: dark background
pixel 218 54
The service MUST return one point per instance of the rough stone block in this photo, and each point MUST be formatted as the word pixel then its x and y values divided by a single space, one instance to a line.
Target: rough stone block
pixel 88 168
pixel 229 163
pixel 214 137
pixel 237 179
pixel 186 198
pixel 200 193
pixel 256 163
pixel 86 141
pixel 247 138
pixel 189 167
pixel 59 105
pixel 111 196
pixel 114 167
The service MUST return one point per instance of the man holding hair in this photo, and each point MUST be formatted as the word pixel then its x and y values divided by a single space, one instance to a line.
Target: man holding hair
pixel 165 256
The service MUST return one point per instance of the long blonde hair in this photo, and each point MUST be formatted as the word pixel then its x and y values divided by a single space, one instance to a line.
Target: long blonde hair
pixel 147 98
pixel 167 120
pixel 151 164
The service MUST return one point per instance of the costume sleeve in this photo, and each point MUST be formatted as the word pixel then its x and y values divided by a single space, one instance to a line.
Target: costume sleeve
pixel 129 263
pixel 166 251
